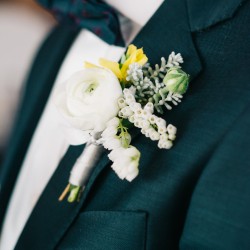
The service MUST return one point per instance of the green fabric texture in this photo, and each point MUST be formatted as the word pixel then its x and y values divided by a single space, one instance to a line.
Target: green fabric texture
pixel 125 229
pixel 194 196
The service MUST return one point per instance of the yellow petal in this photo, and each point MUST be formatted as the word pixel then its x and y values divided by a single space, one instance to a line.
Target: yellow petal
pixel 142 60
pixel 90 65
pixel 131 49
pixel 113 66
pixel 131 59
pixel 139 52
pixel 125 67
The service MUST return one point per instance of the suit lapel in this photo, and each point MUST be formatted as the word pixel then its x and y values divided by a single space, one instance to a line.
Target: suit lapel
pixel 165 32
pixel 38 88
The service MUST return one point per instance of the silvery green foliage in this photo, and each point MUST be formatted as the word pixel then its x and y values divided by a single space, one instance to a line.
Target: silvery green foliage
pixel 149 84
pixel 174 60
pixel 145 87
pixel 158 72
pixel 165 98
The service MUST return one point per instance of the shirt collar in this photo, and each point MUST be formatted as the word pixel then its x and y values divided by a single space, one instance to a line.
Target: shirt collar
pixel 133 10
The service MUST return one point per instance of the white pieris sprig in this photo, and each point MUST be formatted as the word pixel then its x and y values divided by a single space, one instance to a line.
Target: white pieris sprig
pixel 124 156
pixel 151 126
pixel 125 162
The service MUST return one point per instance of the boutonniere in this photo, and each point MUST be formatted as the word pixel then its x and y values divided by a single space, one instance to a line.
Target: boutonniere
pixel 102 103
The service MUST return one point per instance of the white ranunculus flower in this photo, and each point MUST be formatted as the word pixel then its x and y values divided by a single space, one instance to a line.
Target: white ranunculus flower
pixel 89 100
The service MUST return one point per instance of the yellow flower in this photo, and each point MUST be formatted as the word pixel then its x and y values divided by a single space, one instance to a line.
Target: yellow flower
pixel 133 55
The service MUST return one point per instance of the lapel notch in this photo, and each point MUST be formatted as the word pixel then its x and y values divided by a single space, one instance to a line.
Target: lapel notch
pixel 168 30
pixel 204 14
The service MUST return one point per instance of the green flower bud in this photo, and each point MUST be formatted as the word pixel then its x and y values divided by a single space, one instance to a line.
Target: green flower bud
pixel 176 80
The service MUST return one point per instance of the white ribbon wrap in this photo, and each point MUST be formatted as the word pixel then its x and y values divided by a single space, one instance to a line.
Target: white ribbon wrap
pixel 85 164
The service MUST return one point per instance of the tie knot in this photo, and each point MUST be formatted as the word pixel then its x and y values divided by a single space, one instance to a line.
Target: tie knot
pixel 94 15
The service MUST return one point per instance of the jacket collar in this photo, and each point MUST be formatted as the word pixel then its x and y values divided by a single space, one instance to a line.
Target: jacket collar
pixel 165 32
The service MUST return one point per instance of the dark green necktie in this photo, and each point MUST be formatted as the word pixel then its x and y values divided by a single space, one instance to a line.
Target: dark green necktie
pixel 94 15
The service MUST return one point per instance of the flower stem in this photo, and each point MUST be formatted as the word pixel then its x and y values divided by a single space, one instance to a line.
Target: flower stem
pixel 123 133
pixel 74 192
pixel 64 193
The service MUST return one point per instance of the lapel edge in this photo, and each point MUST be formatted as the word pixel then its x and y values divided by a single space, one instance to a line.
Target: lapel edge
pixel 216 12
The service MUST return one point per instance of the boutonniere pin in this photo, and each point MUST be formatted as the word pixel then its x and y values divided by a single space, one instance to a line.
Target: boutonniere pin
pixel 102 103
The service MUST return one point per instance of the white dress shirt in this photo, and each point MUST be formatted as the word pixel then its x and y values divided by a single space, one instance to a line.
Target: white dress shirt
pixel 43 156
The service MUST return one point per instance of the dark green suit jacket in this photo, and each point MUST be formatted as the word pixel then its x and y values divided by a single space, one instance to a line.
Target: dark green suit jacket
pixel 194 196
